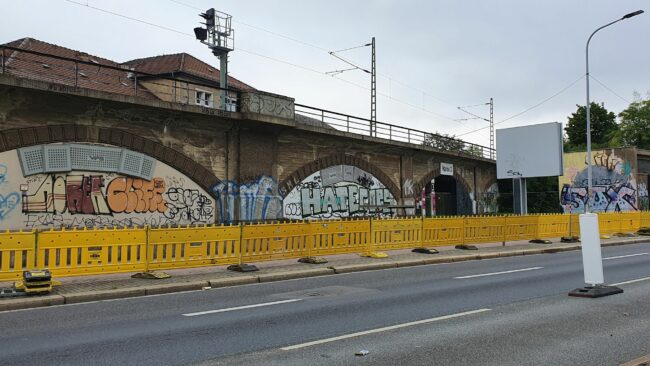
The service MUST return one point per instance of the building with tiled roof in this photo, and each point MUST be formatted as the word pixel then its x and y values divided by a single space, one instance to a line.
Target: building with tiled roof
pixel 179 78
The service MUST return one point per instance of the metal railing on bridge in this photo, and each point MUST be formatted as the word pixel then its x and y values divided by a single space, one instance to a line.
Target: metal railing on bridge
pixel 73 74
pixel 366 127
pixel 69 252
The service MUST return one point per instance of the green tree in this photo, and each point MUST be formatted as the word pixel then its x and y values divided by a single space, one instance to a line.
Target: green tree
pixel 634 129
pixel 603 127
pixel 446 142
pixel 443 142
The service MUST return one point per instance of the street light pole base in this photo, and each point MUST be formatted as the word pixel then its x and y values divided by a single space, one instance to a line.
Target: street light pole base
pixel 593 292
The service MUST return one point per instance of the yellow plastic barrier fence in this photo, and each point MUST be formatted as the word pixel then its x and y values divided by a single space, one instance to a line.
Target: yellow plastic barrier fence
pixel 340 236
pixel 94 251
pixel 442 231
pixel 17 253
pixel 484 229
pixel 274 241
pixel 192 246
pixel 396 233
pixel 521 227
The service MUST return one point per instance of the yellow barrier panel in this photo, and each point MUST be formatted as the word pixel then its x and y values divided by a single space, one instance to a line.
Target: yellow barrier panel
pixel 193 246
pixel 553 226
pixel 521 227
pixel 484 229
pixel 645 219
pixel 17 254
pixel 274 241
pixel 344 236
pixel 82 251
pixel 396 233
pixel 442 231
pixel 630 221
pixel 609 223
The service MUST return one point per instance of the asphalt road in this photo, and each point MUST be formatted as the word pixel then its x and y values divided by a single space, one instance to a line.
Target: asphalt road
pixel 503 311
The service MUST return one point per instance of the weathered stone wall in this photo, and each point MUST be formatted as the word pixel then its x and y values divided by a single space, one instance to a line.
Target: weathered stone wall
pixel 247 162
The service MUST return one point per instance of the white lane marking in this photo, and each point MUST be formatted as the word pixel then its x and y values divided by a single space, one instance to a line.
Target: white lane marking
pixel 498 273
pixel 625 256
pixel 241 307
pixel 384 329
pixel 630 281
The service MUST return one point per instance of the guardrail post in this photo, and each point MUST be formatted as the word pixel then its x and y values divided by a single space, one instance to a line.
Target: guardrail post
pixel 408 136
pixel 3 60
pixel 241 242
pixel 348 125
pixel 390 132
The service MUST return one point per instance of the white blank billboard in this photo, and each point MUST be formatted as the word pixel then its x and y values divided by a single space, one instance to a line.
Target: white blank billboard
pixel 530 151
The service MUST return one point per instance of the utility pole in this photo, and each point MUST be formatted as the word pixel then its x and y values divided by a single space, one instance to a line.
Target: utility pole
pixel 218 35
pixel 373 79
pixel 490 121
pixel 373 92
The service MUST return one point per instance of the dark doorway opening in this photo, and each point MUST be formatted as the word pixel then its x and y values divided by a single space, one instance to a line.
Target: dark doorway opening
pixel 445 204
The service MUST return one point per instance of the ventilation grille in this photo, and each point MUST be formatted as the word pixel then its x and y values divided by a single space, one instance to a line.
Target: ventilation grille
pixel 96 158
pixel 57 158
pixel 31 160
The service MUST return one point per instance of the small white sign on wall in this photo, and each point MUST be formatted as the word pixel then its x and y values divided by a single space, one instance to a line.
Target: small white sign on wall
pixel 446 169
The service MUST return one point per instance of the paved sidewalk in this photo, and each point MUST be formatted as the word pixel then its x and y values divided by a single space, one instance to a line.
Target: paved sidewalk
pixel 112 286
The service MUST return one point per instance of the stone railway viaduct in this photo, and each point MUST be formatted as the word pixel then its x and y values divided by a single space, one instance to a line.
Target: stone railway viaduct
pixel 248 163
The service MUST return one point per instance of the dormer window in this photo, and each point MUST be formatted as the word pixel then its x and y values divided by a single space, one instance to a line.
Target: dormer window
pixel 204 98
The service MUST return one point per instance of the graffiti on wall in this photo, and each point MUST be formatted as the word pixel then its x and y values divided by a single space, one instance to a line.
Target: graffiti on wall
pixel 74 199
pixel 614 185
pixel 338 191
pixel 255 200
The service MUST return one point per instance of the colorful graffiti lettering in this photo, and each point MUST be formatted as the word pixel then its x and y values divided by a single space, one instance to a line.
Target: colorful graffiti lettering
pixel 130 195
pixel 338 191
pixel 617 197
pixel 256 200
pixel 8 203
pixel 614 186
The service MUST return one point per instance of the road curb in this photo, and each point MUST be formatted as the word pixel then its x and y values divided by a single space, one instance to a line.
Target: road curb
pixel 290 275
pixel 31 302
pixel 348 268
pixel 233 281
pixel 175 287
pixel 120 293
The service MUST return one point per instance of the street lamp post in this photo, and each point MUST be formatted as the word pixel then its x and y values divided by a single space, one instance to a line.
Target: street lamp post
pixel 588 106
pixel 592 261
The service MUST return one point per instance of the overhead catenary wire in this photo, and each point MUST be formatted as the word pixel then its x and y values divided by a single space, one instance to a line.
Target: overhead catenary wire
pixel 306 68
pixel 609 89
pixel 527 109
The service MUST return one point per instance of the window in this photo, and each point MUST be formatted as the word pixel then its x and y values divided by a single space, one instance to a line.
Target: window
pixel 204 98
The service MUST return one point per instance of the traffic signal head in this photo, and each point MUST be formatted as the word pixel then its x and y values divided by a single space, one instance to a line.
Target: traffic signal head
pixel 209 17
pixel 201 33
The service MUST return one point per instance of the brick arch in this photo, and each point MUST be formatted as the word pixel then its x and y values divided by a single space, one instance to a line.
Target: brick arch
pixel 337 159
pixel 11 139
pixel 435 173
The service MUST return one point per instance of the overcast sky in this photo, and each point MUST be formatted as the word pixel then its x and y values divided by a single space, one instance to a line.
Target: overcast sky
pixel 432 56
